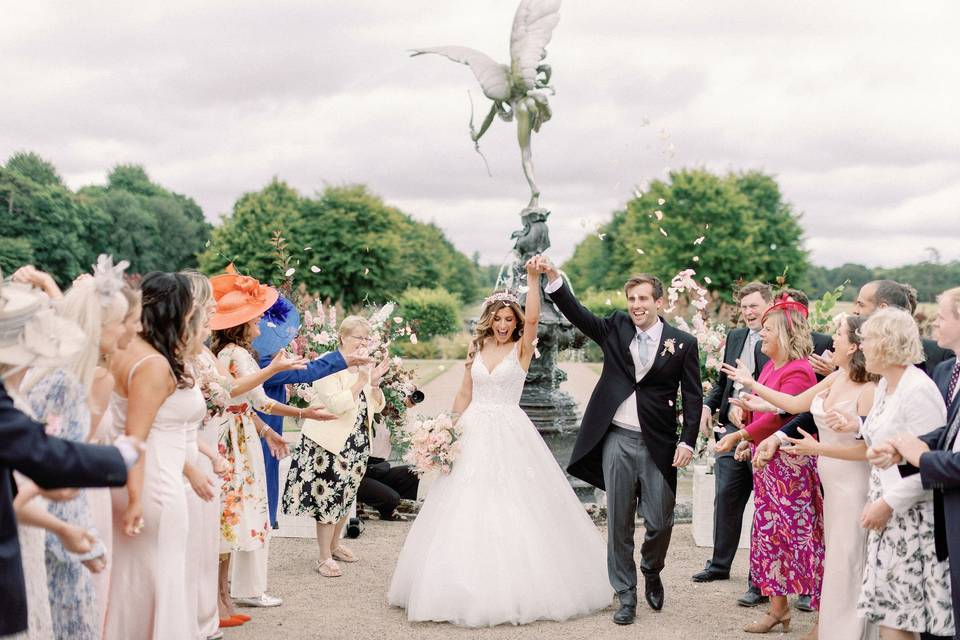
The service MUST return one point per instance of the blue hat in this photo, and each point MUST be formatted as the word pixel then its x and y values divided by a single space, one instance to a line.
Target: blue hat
pixel 279 325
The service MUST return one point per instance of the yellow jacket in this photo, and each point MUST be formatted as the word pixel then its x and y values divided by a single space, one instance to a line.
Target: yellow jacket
pixel 334 392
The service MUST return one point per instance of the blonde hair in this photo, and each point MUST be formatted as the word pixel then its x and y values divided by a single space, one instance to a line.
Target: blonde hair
pixel 351 324
pixel 84 305
pixel 897 337
pixel 202 292
pixel 484 328
pixel 953 297
pixel 793 336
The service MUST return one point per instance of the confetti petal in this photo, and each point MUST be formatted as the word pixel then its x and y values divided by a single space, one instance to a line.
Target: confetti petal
pixel 640 251
pixel 707 280
pixel 659 214
pixel 661 202
pixel 699 240
pixel 662 232
pixel 602 236
pixel 307 248
pixel 366 271
pixel 696 258
pixel 315 269
pixel 290 272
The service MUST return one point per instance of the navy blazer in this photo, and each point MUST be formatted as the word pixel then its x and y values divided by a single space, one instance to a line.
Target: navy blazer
pixel 50 462
pixel 656 392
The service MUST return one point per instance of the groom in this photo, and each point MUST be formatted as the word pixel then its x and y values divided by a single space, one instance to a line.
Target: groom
pixel 628 440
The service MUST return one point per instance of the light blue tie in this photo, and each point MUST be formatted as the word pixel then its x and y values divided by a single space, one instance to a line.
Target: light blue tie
pixel 643 349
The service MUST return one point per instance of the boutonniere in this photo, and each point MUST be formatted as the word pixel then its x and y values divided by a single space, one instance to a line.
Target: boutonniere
pixel 669 346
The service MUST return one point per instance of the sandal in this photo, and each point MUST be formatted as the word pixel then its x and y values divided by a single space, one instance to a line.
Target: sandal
pixel 343 554
pixel 329 568
pixel 767 624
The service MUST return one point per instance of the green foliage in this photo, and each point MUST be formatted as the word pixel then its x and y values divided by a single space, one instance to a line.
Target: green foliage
pixel 244 237
pixel 821 316
pixel 439 348
pixel 32 166
pixel 929 278
pixel 431 312
pixel 603 303
pixel 748 232
pixel 14 253
pixel 344 245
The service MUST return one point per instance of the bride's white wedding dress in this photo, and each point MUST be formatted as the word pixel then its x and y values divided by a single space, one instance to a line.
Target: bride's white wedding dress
pixel 502 538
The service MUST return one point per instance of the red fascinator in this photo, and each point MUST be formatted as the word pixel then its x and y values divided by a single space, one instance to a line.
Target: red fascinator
pixel 239 298
pixel 786 304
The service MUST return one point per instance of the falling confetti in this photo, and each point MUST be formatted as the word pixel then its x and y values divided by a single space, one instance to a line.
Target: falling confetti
pixel 661 202
pixel 290 272
pixel 659 214
pixel 307 248
pixel 662 232
pixel 366 271
pixel 699 240
pixel 315 269
pixel 707 280
pixel 608 302
pixel 398 320
pixel 602 236
pixel 696 258
pixel 636 192
pixel 640 251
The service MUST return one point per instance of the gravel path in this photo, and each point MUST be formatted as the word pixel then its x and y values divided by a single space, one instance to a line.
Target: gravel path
pixel 355 607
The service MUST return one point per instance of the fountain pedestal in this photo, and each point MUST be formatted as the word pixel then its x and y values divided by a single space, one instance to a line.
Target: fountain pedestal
pixel 549 408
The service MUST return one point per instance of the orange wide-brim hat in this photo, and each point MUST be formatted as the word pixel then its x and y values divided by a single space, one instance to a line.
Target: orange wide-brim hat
pixel 240 299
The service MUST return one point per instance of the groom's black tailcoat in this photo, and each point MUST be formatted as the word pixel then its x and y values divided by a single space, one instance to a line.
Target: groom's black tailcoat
pixel 656 392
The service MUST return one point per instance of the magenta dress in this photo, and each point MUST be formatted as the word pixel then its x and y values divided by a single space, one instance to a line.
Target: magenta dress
pixel 786 543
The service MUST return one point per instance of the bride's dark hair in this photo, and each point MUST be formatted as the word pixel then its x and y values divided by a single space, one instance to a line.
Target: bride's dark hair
pixel 484 328
pixel 166 306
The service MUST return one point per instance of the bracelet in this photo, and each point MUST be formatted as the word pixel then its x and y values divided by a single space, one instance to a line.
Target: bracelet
pixel 300 415
pixel 744 435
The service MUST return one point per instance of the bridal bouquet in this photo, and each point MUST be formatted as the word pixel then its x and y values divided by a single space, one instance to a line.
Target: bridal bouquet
pixel 434 445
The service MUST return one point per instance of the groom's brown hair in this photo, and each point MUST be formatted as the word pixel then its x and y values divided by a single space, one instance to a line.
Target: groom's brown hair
pixel 645 278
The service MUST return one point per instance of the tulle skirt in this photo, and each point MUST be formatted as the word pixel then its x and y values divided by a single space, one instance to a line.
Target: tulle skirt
pixel 502 538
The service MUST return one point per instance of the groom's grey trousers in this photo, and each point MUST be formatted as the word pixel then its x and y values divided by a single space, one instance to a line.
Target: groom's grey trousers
pixel 630 476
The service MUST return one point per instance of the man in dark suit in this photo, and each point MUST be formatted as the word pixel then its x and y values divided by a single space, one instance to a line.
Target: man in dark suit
pixel 936 455
pixel 733 479
pixel 628 443
pixel 51 463
pixel 889 293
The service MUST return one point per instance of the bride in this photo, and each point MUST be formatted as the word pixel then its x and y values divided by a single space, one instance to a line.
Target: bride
pixel 502 538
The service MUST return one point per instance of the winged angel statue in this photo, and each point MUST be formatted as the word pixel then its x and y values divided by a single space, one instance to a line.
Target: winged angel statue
pixel 518 90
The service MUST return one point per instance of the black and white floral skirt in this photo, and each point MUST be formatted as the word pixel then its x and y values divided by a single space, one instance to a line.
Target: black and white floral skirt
pixel 323 485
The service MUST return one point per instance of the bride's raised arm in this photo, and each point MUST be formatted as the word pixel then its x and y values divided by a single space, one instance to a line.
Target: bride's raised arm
pixel 531 315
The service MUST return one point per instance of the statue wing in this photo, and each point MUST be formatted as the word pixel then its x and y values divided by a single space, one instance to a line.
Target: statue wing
pixel 493 77
pixel 533 26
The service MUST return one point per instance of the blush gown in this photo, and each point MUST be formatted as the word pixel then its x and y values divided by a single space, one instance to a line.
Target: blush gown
pixel 502 538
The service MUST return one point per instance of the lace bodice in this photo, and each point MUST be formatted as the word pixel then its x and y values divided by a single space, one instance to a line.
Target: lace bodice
pixel 503 385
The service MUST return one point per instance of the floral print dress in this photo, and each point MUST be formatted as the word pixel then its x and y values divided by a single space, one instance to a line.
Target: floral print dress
pixel 904 585
pixel 59 400
pixel 324 485
pixel 244 521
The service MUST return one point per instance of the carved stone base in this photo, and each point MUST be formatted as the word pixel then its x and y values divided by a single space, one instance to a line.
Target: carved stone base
pixel 550 410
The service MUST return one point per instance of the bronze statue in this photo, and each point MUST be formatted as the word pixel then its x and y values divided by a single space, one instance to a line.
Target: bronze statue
pixel 518 90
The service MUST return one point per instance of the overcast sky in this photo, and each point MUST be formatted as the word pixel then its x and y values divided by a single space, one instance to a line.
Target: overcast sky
pixel 854 106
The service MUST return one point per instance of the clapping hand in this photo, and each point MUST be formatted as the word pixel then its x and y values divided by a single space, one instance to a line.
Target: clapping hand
pixel 753 402
pixel 822 364
pixel 765 452
pixel 806 445
pixel 742 453
pixel 740 375
pixel 884 455
pixel 275 442
pixel 357 359
pixel 910 447
pixel 377 373
pixel 283 361
pixel 735 416
pixel 842 421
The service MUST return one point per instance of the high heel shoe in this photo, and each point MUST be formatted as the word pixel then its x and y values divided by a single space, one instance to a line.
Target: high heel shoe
pixel 768 623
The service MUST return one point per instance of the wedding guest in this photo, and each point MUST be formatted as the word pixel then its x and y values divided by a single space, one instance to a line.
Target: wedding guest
pixel 278 327
pixel 31 334
pixel 906 588
pixel 936 455
pixel 786 546
pixel 102 431
pixel 733 478
pixel 156 399
pixel 241 301
pixel 331 458
pixel 835 403
pixel 880 294
pixel 61 397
